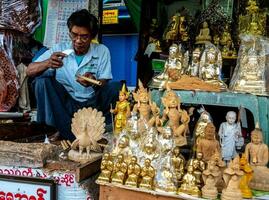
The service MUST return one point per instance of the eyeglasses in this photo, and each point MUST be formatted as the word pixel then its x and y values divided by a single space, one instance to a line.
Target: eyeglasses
pixel 83 38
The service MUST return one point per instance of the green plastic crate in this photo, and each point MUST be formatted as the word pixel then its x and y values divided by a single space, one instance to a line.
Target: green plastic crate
pixel 157 65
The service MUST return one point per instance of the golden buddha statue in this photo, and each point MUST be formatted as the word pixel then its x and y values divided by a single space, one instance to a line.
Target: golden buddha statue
pixel 183 29
pixel 226 35
pixel 133 173
pixel 189 184
pixel 178 163
pixel 232 176
pixel 147 174
pixel 254 22
pixel 198 166
pixel 177 119
pixel 119 170
pixel 204 35
pixel 210 66
pixel 172 30
pixel 122 111
pixel 246 178
pixel 106 169
pixel 251 67
pixel 210 177
pixel 208 145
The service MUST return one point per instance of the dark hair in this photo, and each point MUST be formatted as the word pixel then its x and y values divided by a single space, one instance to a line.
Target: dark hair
pixel 83 18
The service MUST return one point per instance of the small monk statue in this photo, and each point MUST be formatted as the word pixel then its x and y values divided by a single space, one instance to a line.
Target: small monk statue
pixel 106 169
pixel 189 183
pixel 246 178
pixel 199 166
pixel 230 134
pixel 208 145
pixel 119 170
pixel 177 119
pixel 210 177
pixel 178 163
pixel 147 110
pixel 147 173
pixel 204 35
pixel 133 173
pixel 122 110
pixel 232 176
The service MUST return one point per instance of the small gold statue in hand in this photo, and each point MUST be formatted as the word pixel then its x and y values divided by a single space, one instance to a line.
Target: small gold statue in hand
pixel 189 185
pixel 204 35
pixel 246 178
pixel 119 170
pixel 106 169
pixel 178 118
pixel 133 173
pixel 122 110
pixel 208 145
pixel 147 174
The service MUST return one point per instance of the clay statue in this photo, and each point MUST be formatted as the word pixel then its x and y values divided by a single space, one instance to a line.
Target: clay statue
pixel 256 151
pixel 204 35
pixel 208 145
pixel 232 176
pixel 88 125
pixel 189 184
pixel 147 109
pixel 178 118
pixel 133 173
pixel 246 178
pixel 229 133
pixel 106 169
pixel 147 173
pixel 119 170
pixel 121 111
pixel 210 177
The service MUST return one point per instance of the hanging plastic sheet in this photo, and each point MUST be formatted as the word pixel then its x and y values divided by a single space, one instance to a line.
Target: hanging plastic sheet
pixel 20 15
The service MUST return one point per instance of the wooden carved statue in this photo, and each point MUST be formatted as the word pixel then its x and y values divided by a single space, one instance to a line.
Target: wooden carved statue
pixel 88 125
pixel 177 119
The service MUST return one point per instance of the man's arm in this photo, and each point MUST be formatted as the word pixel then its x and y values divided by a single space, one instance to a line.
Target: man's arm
pixel 54 62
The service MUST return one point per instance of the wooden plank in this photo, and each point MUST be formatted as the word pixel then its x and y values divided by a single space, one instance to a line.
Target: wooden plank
pixel 111 192
pixel 84 171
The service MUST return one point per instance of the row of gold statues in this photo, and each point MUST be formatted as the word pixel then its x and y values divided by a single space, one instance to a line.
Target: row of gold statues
pixel 146 152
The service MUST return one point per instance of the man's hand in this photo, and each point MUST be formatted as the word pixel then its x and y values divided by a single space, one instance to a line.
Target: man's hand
pixel 84 82
pixel 56 60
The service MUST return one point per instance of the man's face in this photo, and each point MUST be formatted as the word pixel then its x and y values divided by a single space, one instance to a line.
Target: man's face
pixel 81 39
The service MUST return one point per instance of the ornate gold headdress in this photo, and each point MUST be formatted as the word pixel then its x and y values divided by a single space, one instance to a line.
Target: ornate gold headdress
pixel 124 91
